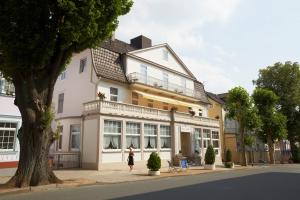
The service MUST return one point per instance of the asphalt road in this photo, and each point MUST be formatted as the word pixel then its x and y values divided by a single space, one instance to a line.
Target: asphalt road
pixel 278 182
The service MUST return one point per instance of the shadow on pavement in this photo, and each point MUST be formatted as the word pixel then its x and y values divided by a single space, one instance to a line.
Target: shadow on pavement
pixel 266 186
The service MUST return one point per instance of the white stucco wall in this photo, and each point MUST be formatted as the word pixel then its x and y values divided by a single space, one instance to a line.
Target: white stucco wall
pixel 78 88
pixel 90 141
pixel 7 106
pixel 156 55
pixel 124 94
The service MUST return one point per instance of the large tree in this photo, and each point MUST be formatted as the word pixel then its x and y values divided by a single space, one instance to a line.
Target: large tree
pixel 284 81
pixel 37 39
pixel 240 108
pixel 273 123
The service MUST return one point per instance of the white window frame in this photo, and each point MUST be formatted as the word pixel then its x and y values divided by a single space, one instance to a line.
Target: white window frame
pixel 114 95
pixel 144 73
pixel 217 149
pixel 59 142
pixel 150 135
pixel 165 136
pixel 72 134
pixel 10 129
pixel 130 133
pixel 206 139
pixel 165 80
pixel 198 139
pixel 112 133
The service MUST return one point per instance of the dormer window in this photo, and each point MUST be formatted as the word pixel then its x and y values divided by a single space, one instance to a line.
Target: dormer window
pixel 165 55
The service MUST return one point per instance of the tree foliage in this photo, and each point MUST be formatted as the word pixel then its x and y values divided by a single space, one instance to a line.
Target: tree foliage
pixel 284 80
pixel 37 39
pixel 239 107
pixel 210 155
pixel 273 123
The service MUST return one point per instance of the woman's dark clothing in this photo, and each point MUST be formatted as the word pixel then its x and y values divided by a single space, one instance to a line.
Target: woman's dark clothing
pixel 130 158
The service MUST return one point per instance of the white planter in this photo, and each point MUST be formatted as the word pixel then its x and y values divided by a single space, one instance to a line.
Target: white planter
pixel 210 167
pixel 232 166
pixel 154 173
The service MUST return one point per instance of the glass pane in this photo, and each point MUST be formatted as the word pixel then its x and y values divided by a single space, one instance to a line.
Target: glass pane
pixel 112 142
pixel 165 143
pixel 150 129
pixel 150 142
pixel 76 141
pixel 133 142
pixel 165 130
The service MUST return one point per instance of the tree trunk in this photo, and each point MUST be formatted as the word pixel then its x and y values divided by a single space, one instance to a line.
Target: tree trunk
pixel 271 150
pixel 33 98
pixel 244 157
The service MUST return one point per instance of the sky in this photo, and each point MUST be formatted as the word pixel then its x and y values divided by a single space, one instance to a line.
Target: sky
pixel 223 42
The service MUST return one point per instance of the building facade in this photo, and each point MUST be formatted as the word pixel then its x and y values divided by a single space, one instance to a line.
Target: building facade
pixel 10 121
pixel 122 95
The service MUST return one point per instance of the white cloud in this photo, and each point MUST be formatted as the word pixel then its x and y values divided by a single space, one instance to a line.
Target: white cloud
pixel 180 24
pixel 214 78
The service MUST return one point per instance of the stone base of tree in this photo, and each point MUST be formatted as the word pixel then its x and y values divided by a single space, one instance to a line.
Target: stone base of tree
pixel 153 173
pixel 210 167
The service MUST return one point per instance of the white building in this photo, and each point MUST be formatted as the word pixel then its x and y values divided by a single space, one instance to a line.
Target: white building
pixel 10 121
pixel 153 103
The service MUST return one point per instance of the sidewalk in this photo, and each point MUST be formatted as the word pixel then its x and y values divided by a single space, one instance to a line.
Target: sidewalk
pixel 79 177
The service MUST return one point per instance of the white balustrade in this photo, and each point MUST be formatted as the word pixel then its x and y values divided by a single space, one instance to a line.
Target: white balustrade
pixel 123 109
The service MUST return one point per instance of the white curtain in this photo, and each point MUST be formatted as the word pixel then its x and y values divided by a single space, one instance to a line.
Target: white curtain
pixel 133 141
pixel 165 143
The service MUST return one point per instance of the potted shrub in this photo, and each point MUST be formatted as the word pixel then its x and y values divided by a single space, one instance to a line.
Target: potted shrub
pixel 210 157
pixel 154 164
pixel 228 159
pixel 101 96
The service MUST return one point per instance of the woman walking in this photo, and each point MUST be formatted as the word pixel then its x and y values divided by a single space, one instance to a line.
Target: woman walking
pixel 130 159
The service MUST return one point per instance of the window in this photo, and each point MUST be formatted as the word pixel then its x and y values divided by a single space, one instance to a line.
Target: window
pixel 7 135
pixel 63 75
pixel 206 138
pixel 165 55
pixel 133 135
pixel 60 103
pixel 60 138
pixel 215 141
pixel 198 139
pixel 113 94
pixel 165 80
pixel 75 137
pixel 82 65
pixel 150 136
pixel 112 134
pixel 165 137
pixel 200 112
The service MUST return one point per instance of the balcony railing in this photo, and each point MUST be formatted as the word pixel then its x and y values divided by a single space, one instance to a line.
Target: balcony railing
pixel 129 110
pixel 158 83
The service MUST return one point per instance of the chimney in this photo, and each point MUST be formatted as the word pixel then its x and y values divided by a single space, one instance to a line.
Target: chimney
pixel 141 42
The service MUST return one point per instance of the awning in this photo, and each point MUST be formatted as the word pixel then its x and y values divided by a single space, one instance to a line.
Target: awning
pixel 168 100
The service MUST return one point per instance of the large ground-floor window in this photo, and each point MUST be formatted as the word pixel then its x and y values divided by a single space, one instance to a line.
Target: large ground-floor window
pixel 165 137
pixel 112 134
pixel 198 139
pixel 206 138
pixel 133 135
pixel 75 137
pixel 150 136
pixel 215 141
pixel 7 135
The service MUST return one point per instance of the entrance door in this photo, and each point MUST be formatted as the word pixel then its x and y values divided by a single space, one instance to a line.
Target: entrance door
pixel 185 144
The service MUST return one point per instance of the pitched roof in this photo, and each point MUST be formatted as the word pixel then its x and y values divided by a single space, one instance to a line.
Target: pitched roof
pixel 107 59
pixel 215 97
pixel 200 92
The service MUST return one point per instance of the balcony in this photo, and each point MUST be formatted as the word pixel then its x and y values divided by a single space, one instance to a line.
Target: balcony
pixel 128 110
pixel 158 83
